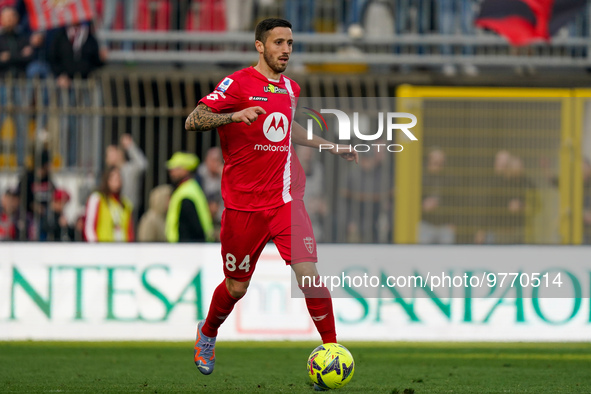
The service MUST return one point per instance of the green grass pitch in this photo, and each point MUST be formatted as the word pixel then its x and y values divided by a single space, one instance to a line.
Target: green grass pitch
pixel 274 367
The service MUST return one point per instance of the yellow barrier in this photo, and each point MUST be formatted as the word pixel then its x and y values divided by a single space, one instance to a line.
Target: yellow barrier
pixel 512 170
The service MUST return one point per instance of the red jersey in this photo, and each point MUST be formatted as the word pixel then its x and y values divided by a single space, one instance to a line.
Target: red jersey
pixel 261 170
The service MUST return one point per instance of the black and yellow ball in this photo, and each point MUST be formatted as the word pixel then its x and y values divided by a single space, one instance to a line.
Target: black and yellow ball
pixel 331 366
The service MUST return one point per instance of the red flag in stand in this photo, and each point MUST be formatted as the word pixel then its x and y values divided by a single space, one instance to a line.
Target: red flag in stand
pixel 525 21
pixel 48 14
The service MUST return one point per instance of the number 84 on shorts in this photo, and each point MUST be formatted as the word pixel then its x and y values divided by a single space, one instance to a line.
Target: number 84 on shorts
pixel 231 263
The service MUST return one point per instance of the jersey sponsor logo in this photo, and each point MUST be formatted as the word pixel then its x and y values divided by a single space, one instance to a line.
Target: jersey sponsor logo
pixel 271 148
pixel 309 242
pixel 258 98
pixel 270 88
pixel 275 127
pixel 225 84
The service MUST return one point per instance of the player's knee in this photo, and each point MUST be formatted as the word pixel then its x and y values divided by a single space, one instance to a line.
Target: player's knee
pixel 238 292
pixel 236 288
pixel 304 270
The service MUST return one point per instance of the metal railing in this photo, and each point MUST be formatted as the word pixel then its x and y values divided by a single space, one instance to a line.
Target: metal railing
pixel 372 32
pixel 412 49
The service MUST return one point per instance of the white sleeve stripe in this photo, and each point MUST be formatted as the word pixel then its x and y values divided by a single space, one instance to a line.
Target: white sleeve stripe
pixel 287 171
pixel 91 213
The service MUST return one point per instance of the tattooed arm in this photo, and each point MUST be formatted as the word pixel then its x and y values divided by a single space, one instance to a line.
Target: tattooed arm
pixel 203 119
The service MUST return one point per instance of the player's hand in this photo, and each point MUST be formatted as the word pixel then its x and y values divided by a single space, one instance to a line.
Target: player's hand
pixel 126 141
pixel 430 203
pixel 27 51
pixel 36 40
pixel 63 81
pixel 346 152
pixel 248 115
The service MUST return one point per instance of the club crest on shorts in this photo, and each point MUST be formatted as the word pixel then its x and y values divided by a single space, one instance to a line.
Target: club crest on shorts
pixel 309 242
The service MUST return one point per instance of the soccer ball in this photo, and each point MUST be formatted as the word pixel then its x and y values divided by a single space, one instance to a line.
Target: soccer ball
pixel 331 366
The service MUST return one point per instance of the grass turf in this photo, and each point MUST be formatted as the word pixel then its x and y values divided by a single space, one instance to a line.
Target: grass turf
pixel 253 367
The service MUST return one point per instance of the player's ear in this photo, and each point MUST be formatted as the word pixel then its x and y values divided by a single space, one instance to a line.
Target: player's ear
pixel 259 46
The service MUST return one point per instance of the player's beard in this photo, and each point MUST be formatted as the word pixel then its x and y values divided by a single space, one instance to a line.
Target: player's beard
pixel 274 63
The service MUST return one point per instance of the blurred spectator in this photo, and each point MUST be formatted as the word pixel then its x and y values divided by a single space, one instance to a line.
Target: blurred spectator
pixel 8 215
pixel 38 95
pixel 39 191
pixel 55 225
pixel 378 20
pixel 436 225
pixel 404 23
pixel 448 11
pixel 39 66
pixel 369 199
pixel 130 12
pixel 74 52
pixel 209 176
pixel 110 12
pixel 108 213
pixel 23 14
pixel 15 54
pixel 314 198
pixel 188 218
pixel 510 201
pixel 131 161
pixel 351 13
pixel 153 15
pixel 300 13
pixel 179 11
pixel 239 14
pixel 209 173
pixel 494 215
pixel 15 49
pixel 216 208
pixel 152 226
pixel 519 201
pixel 525 51
pixel 79 228
pixel 501 163
pixel 410 18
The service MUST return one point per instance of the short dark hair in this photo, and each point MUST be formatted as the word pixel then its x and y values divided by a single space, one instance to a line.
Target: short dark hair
pixel 262 30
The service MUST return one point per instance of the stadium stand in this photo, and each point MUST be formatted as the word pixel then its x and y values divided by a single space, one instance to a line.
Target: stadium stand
pixel 148 88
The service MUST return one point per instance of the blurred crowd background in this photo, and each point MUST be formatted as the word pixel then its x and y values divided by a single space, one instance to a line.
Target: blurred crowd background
pixel 92 110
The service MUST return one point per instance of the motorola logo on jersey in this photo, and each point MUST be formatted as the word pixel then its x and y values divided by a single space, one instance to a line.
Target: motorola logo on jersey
pixel 271 148
pixel 276 127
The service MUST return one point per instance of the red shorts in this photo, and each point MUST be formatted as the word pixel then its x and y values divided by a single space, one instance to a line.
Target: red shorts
pixel 245 234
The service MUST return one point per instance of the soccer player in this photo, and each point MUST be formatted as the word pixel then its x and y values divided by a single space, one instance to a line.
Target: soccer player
pixel 262 182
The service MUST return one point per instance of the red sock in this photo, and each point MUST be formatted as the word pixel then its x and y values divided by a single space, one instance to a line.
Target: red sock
pixel 319 306
pixel 222 304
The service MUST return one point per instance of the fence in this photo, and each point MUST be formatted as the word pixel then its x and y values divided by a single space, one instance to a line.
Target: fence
pixel 505 165
pixel 511 157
